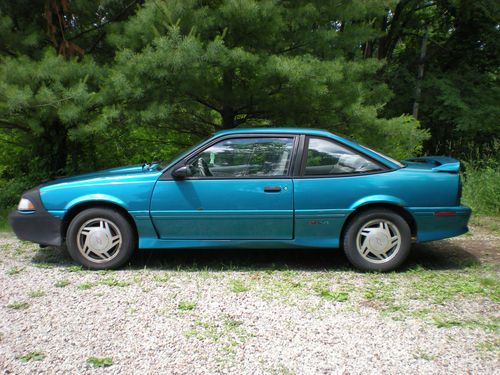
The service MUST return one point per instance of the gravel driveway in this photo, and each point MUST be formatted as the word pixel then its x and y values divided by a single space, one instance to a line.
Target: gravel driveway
pixel 252 312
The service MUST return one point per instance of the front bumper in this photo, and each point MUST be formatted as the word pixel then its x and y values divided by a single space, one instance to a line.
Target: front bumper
pixel 36 226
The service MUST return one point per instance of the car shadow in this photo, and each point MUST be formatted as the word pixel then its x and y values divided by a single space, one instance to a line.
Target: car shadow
pixel 439 255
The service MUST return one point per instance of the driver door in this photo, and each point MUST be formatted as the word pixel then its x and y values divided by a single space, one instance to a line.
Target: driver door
pixel 237 188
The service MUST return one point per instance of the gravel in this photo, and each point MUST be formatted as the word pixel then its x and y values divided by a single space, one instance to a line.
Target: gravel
pixel 243 312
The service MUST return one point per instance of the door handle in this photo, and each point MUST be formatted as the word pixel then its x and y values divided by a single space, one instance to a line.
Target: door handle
pixel 272 189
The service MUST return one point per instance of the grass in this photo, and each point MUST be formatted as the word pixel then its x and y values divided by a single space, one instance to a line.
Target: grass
pixel 378 290
pixel 487 325
pixel 4 223
pixel 394 294
pixel 440 286
pixel 490 223
pixel 490 346
pixel 425 356
pixel 229 331
pixel 62 283
pixel 203 330
pixel 111 281
pixel 85 285
pixel 74 269
pixel 31 356
pixel 100 361
pixel 332 295
pixel 238 286
pixel 36 293
pixel 231 323
pixel 162 278
pixel 281 370
pixel 186 306
pixel 282 285
pixel 47 266
pixel 18 305
pixel 441 322
pixel 15 271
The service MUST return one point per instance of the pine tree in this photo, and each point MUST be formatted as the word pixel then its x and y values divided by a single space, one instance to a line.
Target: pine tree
pixel 200 66
pixel 49 83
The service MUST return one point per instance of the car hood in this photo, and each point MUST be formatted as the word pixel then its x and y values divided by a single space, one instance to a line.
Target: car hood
pixel 107 173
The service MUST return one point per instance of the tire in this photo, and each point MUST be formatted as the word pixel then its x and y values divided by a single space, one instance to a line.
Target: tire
pixel 377 240
pixel 100 238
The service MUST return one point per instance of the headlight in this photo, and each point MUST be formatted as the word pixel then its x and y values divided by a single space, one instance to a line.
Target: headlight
pixel 25 205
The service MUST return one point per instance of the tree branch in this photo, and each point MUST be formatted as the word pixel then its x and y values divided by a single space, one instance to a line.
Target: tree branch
pixel 205 103
pixel 101 25
pixel 5 124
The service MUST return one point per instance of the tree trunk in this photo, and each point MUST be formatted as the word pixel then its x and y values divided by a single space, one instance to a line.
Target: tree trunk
pixel 368 50
pixel 228 112
pixel 228 118
pixel 53 148
pixel 388 42
pixel 420 76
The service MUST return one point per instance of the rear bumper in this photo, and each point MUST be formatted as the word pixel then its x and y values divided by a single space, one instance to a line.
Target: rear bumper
pixel 436 223
pixel 36 226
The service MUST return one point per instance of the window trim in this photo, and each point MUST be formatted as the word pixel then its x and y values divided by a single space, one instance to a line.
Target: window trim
pixel 301 170
pixel 167 175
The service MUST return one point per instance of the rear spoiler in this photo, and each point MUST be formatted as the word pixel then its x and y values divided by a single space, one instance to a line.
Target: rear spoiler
pixel 439 163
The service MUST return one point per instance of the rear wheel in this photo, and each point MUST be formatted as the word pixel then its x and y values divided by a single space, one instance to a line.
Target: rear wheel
pixel 100 238
pixel 377 240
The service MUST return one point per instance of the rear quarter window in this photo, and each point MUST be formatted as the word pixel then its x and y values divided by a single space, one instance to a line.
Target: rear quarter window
pixel 325 158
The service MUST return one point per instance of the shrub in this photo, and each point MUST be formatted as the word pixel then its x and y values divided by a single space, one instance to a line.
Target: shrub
pixel 481 188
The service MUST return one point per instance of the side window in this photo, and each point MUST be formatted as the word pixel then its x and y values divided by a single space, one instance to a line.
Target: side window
pixel 244 157
pixel 329 158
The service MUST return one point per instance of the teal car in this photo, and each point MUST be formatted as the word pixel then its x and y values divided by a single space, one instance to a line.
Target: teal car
pixel 252 188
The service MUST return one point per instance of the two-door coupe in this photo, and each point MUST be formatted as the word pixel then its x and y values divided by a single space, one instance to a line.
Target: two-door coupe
pixel 252 188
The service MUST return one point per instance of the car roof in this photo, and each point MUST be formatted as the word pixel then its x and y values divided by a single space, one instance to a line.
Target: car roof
pixel 309 131
pixel 306 131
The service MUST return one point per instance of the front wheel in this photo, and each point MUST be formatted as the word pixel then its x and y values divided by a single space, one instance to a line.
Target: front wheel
pixel 377 240
pixel 100 238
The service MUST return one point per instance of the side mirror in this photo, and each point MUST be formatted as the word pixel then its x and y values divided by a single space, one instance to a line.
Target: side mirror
pixel 180 173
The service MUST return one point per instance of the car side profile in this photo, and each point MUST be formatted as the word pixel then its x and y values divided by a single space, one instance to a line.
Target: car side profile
pixel 252 188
